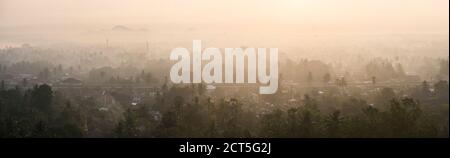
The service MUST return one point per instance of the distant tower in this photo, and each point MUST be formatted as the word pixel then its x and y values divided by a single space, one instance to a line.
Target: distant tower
pixel 165 87
pixel 148 50
pixel 107 43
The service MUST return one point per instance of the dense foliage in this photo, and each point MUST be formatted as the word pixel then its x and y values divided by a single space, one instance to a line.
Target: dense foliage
pixel 43 112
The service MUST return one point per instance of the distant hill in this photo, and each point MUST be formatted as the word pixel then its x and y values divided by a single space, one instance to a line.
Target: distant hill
pixel 121 28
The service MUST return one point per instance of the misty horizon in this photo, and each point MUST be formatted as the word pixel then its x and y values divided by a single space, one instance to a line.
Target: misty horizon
pixel 284 23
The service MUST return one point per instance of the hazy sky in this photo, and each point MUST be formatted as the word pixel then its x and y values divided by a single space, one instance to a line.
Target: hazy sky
pixel 410 15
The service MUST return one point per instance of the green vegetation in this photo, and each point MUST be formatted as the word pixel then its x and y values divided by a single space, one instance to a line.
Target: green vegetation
pixel 42 112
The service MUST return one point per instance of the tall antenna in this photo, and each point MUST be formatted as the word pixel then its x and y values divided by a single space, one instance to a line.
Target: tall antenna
pixel 148 50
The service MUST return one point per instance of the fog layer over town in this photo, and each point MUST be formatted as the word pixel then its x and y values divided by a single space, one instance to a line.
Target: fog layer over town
pixel 346 69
